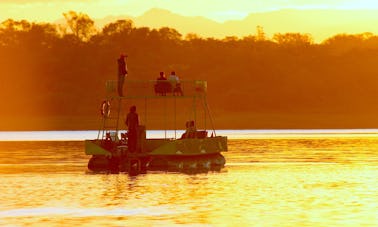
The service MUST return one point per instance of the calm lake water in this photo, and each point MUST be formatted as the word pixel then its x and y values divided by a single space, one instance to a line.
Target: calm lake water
pixel 281 178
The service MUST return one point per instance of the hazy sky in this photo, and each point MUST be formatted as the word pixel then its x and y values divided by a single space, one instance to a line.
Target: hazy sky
pixel 220 10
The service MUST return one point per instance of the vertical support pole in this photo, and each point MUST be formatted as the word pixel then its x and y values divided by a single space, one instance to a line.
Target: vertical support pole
pixel 175 116
pixel 165 117
pixel 210 117
pixel 118 114
pixel 145 111
pixel 204 110
pixel 101 130
pixel 195 109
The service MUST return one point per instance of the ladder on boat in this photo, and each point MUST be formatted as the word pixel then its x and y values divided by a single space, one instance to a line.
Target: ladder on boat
pixel 111 120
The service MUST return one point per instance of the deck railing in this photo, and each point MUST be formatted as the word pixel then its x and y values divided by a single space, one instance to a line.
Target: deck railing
pixel 146 88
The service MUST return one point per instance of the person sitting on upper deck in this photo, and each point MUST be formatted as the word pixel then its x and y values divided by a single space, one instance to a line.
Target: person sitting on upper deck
pixel 161 76
pixel 162 86
pixel 175 81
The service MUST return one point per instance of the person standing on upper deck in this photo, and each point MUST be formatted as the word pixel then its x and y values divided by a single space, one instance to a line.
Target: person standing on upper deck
pixel 122 72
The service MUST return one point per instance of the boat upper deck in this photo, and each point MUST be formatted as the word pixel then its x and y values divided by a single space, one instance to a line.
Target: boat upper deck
pixel 156 88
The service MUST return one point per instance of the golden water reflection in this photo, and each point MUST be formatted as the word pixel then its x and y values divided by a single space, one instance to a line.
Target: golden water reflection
pixel 267 182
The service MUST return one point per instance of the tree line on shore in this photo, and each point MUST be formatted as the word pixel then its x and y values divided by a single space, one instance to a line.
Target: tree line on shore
pixel 48 69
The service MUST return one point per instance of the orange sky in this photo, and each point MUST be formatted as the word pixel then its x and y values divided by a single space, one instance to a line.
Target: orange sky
pixel 269 14
pixel 219 10
pixel 51 10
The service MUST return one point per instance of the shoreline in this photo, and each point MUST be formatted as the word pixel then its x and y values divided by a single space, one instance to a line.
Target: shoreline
pixel 233 121
pixel 80 136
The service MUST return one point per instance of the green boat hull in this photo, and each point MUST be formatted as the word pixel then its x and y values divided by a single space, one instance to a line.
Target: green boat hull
pixel 182 155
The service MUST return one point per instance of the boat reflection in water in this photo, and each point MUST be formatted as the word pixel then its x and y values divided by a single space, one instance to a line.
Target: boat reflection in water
pixel 193 152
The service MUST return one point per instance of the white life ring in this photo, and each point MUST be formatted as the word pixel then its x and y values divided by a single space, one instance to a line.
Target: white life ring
pixel 105 108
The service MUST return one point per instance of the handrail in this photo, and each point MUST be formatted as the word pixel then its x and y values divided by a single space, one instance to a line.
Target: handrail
pixel 151 88
pixel 148 89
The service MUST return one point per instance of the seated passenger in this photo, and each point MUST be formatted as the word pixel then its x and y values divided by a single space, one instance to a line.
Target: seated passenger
pixel 190 130
pixel 108 143
pixel 162 86
pixel 175 81
pixel 185 134
pixel 123 138
pixel 162 76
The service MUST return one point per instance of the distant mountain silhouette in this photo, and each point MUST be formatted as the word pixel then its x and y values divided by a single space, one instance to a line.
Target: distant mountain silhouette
pixel 321 24
pixel 157 18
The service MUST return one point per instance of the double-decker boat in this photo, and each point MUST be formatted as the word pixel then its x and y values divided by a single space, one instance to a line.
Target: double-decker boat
pixel 190 148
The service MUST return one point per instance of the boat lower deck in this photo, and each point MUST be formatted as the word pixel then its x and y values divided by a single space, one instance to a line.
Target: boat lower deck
pixel 182 155
pixel 136 164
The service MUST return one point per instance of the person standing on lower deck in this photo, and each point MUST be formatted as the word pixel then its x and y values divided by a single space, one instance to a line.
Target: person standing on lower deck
pixel 132 122
pixel 122 72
